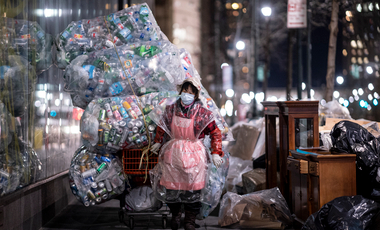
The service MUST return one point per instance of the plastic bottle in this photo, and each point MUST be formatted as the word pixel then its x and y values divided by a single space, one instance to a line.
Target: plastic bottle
pixel 131 113
pixel 67 33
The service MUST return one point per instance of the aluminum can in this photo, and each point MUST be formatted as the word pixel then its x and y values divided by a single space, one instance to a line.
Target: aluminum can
pixel 123 112
pixel 131 124
pixel 117 115
pixel 139 123
pixel 100 185
pixel 134 137
pixel 101 168
pixel 130 133
pixel 100 134
pixel 102 115
pixel 108 110
pixel 106 137
pixel 151 128
pixel 135 130
pixel 94 186
pixel 90 195
pixel 117 139
pixel 108 185
pixel 88 173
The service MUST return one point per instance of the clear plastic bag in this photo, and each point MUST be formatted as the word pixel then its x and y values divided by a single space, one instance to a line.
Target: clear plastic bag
pixel 116 123
pixel 132 24
pixel 17 83
pixel 6 130
pixel 262 209
pixel 94 177
pixel 27 39
pixel 254 180
pixel 183 165
pixel 214 188
pixel 237 168
pixel 142 199
pixel 100 74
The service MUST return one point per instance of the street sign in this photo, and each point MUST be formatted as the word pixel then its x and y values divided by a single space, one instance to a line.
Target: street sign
pixel 297 12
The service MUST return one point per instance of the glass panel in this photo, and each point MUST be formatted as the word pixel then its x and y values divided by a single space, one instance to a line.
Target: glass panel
pixel 39 126
pixel 304 132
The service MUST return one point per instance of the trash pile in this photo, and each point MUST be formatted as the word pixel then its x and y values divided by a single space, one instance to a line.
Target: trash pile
pixel 94 177
pixel 349 213
pixel 17 83
pixel 147 67
pixel 19 164
pixel 124 72
pixel 262 209
pixel 28 40
pixel 116 123
pixel 132 24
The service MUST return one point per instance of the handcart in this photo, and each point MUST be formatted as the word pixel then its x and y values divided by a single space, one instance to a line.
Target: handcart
pixel 131 163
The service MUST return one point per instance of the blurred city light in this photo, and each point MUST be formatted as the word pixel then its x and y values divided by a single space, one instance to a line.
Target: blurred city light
pixel 351 99
pixel 375 102
pixel 340 80
pixel 354 92
pixel 235 6
pixel 312 92
pixel 230 92
pixel 360 91
pixel 369 107
pixel 376 95
pixel 240 45
pixel 323 102
pixel 252 95
pixel 363 103
pixel 267 11
pixel 370 97
pixel 246 98
pixel 303 86
pixel 272 98
pixel 223 65
pixel 370 86
pixel 369 70
pixel 229 107
pixel 260 97
pixel 336 94
pixel 341 100
pixel 356 97
pixel 359 7
pixel 223 112
pixel 346 103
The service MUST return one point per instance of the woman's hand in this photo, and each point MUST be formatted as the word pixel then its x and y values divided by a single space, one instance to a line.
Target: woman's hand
pixel 217 160
pixel 155 148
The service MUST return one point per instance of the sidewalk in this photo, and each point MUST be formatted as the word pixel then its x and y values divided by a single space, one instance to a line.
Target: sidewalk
pixel 105 217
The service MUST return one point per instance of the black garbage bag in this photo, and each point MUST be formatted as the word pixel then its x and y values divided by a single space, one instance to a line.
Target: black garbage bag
pixel 345 213
pixel 350 137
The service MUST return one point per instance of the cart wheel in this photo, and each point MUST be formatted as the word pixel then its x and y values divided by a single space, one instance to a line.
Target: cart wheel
pixel 164 220
pixel 121 216
pixel 131 223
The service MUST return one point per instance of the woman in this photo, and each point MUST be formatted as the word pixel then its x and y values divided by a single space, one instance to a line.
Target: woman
pixel 184 157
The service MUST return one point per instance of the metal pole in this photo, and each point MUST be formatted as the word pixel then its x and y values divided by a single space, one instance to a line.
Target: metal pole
pixel 300 70
pixel 218 81
pixel 308 84
pixel 255 15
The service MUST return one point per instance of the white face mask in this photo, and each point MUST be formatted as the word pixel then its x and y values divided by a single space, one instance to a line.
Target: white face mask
pixel 187 98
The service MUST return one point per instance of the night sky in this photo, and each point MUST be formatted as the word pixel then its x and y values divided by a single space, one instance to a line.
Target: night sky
pixel 320 41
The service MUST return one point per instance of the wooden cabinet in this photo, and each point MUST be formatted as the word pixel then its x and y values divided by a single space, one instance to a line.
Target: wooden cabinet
pixel 318 178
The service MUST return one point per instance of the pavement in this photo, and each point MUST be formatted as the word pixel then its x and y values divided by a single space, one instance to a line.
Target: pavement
pixel 106 217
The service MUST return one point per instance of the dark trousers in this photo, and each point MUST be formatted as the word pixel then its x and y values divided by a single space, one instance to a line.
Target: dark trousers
pixel 192 207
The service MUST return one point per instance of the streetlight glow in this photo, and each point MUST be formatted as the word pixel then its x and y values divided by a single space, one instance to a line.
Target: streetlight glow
pixel 266 11
pixel 369 70
pixel 340 80
pixel 370 86
pixel 336 94
pixel 303 86
pixel 223 65
pixel 240 45
pixel 235 6
pixel 230 92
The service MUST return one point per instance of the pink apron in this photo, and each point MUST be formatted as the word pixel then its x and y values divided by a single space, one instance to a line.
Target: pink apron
pixel 184 158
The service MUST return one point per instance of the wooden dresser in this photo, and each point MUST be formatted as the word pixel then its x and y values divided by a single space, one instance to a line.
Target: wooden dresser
pixel 318 178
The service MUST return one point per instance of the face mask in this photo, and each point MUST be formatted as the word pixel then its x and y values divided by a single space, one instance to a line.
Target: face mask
pixel 187 98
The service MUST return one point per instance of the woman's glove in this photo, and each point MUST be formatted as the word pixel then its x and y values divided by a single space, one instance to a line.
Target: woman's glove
pixel 217 160
pixel 155 148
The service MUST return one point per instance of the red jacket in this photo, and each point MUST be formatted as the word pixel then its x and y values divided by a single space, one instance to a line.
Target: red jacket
pixel 211 129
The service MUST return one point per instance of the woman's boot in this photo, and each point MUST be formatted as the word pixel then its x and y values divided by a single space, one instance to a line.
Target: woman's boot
pixel 190 217
pixel 176 215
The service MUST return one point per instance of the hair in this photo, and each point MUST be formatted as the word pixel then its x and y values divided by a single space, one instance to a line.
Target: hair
pixel 186 85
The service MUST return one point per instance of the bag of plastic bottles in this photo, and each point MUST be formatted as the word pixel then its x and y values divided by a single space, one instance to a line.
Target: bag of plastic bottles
pixel 27 39
pixel 95 177
pixel 208 102
pixel 133 24
pixel 213 190
pixel 17 83
pixel 116 123
pixel 149 67
pixel 24 161
pixel 6 130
